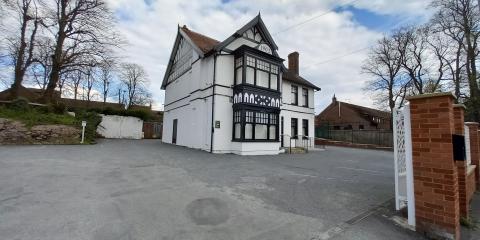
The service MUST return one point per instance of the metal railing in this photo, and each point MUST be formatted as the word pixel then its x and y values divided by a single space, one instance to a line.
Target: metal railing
pixel 299 141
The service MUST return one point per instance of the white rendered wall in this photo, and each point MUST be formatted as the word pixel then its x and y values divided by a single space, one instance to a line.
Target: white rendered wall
pixel 188 99
pixel 113 126
pixel 290 111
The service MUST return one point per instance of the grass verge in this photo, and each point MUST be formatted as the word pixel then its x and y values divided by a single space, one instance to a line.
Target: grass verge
pixel 32 117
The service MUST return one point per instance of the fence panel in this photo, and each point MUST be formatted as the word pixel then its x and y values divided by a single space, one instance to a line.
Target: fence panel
pixel 152 130
pixel 382 138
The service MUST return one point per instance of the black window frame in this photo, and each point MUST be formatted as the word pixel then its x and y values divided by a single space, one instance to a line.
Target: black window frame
pixel 294 92
pixel 260 64
pixel 294 130
pixel 305 127
pixel 305 97
pixel 259 117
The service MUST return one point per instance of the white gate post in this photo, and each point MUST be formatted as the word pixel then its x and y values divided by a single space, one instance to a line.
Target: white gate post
pixel 395 156
pixel 467 146
pixel 409 166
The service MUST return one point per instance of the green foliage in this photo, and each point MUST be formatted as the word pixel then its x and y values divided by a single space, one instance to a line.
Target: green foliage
pixel 58 107
pixel 469 223
pixel 145 115
pixel 19 104
pixel 93 120
pixel 31 116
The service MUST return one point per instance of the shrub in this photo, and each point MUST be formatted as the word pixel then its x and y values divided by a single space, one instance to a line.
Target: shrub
pixel 58 107
pixel 93 120
pixel 145 115
pixel 19 104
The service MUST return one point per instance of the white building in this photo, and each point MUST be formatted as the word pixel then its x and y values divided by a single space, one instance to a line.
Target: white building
pixel 236 96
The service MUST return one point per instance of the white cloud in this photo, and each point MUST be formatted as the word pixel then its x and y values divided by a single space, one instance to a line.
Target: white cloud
pixel 151 26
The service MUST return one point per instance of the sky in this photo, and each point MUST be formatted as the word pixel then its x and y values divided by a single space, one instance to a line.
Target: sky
pixel 332 36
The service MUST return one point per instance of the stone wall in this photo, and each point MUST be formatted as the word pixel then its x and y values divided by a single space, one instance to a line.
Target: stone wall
pixel 16 133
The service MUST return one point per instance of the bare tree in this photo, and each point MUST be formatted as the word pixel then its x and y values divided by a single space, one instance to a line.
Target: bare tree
pixel 22 45
pixel 75 80
pixel 90 82
pixel 465 20
pixel 384 64
pixel 106 77
pixel 415 53
pixel 455 60
pixel 84 33
pixel 42 63
pixel 135 80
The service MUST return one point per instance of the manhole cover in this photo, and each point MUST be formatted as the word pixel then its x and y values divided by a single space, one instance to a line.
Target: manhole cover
pixel 208 211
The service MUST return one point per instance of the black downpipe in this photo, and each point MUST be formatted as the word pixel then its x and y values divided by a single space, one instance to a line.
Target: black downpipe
pixel 213 101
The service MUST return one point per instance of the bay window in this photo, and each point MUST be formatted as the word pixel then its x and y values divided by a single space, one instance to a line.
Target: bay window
pixel 254 125
pixel 238 70
pixel 258 72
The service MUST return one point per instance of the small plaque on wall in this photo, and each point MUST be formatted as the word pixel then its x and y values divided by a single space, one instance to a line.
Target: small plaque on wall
pixel 217 124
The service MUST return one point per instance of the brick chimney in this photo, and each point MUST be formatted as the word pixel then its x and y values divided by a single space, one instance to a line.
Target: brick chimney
pixel 293 62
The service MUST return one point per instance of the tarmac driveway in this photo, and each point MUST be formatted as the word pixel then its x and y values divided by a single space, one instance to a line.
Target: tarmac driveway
pixel 143 189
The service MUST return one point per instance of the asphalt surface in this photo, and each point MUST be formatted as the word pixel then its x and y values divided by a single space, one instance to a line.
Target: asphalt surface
pixel 143 189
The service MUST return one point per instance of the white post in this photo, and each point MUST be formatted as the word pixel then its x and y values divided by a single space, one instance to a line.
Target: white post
pixel 409 166
pixel 395 158
pixel 467 146
pixel 84 123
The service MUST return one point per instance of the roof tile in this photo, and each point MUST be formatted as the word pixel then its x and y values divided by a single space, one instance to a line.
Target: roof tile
pixel 203 42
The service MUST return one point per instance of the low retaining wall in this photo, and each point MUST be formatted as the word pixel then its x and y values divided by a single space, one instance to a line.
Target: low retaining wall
pixel 16 133
pixel 113 126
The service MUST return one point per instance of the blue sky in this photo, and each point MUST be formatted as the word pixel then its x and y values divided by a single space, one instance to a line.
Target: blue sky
pixel 369 19
pixel 150 27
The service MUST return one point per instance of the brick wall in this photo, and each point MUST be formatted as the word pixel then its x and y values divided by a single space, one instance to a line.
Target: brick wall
pixel 471 183
pixel 434 170
pixel 459 123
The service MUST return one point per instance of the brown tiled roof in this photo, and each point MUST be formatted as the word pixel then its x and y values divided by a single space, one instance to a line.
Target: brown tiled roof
pixel 365 111
pixel 206 44
pixel 203 42
pixel 293 77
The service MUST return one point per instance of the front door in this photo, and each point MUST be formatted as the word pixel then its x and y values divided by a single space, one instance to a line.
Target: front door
pixel 174 133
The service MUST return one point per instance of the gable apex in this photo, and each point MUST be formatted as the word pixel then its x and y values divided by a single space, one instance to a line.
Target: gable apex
pixel 255 23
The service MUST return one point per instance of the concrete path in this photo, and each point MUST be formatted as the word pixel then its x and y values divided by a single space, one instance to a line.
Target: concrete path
pixel 474 232
pixel 144 189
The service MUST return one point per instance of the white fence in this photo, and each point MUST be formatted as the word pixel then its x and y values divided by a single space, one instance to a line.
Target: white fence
pixel 402 138
pixel 113 126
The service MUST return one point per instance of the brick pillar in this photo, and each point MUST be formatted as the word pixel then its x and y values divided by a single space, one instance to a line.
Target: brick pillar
pixel 434 170
pixel 459 118
pixel 474 149
pixel 459 122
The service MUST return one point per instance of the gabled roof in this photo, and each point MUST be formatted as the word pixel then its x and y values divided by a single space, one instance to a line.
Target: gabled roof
pixel 293 77
pixel 203 42
pixel 205 45
pixel 257 21
pixel 363 111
